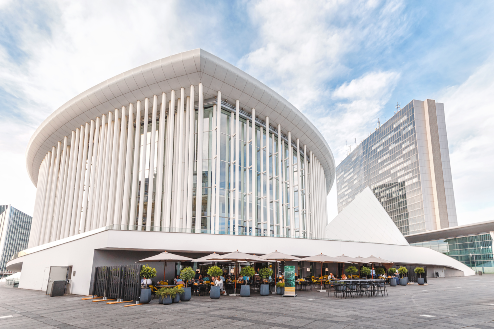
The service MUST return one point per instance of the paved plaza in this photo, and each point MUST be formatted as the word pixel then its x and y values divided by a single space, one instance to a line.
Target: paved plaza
pixel 466 302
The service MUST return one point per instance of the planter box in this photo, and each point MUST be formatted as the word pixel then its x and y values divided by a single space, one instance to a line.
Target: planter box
pixel 392 282
pixel 280 290
pixel 244 290
pixel 166 300
pixel 264 289
pixel 145 296
pixel 215 292
pixel 420 281
pixel 187 295
pixel 177 298
pixel 404 281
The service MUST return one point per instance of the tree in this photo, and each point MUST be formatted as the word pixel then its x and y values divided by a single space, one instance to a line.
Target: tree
pixel 147 272
pixel 187 274
pixel 419 271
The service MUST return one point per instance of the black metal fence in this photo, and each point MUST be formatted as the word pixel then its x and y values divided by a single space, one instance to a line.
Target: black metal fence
pixel 118 282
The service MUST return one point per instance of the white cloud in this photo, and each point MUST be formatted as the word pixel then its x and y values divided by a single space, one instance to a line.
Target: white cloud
pixel 469 110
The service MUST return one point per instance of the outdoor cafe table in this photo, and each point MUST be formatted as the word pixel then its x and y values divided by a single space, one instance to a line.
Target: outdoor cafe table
pixel 360 282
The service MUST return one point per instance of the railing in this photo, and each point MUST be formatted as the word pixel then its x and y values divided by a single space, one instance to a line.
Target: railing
pixel 118 282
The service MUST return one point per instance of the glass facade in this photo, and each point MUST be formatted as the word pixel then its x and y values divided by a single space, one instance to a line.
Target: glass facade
pixel 387 162
pixel 15 227
pixel 475 251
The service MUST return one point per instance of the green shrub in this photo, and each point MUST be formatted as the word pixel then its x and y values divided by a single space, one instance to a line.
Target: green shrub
pixel 187 274
pixel 351 270
pixel 419 271
pixel 365 271
pixel 172 292
pixel 280 284
pixel 214 271
pixel 265 272
pixel 402 270
pixel 247 271
pixel 392 270
pixel 380 271
pixel 148 272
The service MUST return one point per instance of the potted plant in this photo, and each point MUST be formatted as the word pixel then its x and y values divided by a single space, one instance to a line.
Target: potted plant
pixel 392 281
pixel 403 271
pixel 265 273
pixel 178 292
pixel 280 288
pixel 166 295
pixel 351 270
pixel 147 273
pixel 380 271
pixel 245 288
pixel 186 275
pixel 215 291
pixel 419 271
pixel 365 271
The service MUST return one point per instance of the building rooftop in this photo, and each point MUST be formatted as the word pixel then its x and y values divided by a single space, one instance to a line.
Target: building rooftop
pixel 452 232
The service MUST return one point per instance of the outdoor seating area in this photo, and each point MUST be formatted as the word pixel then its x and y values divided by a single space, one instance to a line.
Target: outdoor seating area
pixel 240 274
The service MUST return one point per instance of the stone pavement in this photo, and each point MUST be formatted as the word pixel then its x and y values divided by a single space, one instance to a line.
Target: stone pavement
pixel 466 302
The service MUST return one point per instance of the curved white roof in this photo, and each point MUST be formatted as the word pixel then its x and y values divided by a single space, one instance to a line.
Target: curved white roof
pixel 172 73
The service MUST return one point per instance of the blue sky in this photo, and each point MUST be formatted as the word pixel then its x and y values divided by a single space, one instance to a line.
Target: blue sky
pixel 342 63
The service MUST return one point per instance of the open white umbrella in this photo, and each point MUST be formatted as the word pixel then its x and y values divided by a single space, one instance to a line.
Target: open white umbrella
pixel 237 256
pixel 165 257
pixel 279 257
pixel 321 258
pixel 375 260
pixel 346 259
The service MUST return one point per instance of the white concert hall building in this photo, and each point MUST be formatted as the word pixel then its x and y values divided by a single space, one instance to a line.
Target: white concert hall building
pixel 186 154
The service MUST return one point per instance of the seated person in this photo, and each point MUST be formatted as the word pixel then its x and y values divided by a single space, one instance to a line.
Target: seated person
pixel 219 283
pixel 205 278
pixel 343 277
pixel 177 280
pixel 331 276
pixel 196 277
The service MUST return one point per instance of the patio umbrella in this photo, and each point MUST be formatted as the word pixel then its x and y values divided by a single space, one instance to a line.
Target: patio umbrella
pixel 279 257
pixel 165 257
pixel 346 259
pixel 375 260
pixel 237 256
pixel 321 258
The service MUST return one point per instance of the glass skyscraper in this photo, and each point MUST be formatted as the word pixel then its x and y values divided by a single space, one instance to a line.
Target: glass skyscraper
pixel 15 227
pixel 405 162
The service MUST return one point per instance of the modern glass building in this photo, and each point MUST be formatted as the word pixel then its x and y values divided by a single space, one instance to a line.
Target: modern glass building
pixel 15 227
pixel 405 162
pixel 469 244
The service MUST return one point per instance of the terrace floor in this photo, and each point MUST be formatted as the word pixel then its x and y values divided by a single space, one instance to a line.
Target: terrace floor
pixel 464 302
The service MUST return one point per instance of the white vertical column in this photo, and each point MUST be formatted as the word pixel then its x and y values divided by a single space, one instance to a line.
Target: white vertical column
pixel 135 169
pixel 128 170
pixel 200 122
pixel 261 179
pixel 117 217
pixel 268 182
pixel 299 188
pixel 254 173
pixel 114 170
pixel 46 204
pixel 179 183
pixel 247 178
pixel 290 182
pixel 86 179
pixel 69 201
pixel 107 167
pixel 82 179
pixel 60 190
pixel 151 165
pixel 100 173
pixel 213 171
pixel 65 192
pixel 280 184
pixel 46 192
pixel 90 223
pixel 230 190
pixel 311 194
pixel 159 177
pixel 218 162
pixel 40 190
pixel 183 222
pixel 237 165
pixel 190 178
pixel 53 190
pixel 144 164
pixel 168 163
pixel 306 193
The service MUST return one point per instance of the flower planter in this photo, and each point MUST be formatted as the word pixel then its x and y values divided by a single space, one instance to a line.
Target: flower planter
pixel 215 292
pixel 420 281
pixel 280 290
pixel 404 281
pixel 264 289
pixel 187 295
pixel 177 298
pixel 145 296
pixel 167 300
pixel 392 282
pixel 244 290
